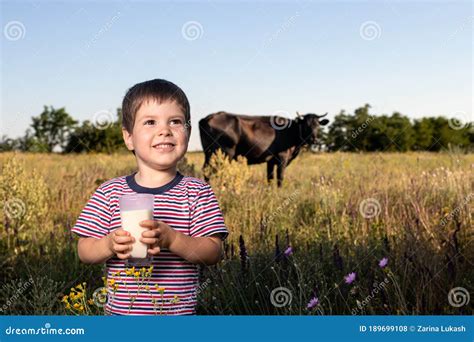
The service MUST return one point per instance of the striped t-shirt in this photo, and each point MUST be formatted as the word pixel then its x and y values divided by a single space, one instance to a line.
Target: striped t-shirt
pixel 189 206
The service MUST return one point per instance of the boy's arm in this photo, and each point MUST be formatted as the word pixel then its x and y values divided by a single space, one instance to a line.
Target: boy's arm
pixel 94 251
pixel 197 250
pixel 97 251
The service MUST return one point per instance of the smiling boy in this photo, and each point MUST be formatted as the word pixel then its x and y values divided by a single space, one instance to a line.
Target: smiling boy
pixel 188 227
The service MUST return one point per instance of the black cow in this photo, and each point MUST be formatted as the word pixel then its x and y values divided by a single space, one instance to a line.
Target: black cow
pixel 261 139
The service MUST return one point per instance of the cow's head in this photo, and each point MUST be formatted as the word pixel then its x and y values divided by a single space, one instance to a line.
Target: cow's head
pixel 309 126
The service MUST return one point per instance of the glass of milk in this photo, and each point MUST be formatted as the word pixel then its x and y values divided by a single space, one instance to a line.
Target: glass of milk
pixel 135 208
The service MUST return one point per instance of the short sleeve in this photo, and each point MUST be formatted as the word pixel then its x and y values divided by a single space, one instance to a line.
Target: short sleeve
pixel 206 216
pixel 94 220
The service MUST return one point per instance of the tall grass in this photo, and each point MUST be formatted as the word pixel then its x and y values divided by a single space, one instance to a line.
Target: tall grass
pixel 340 213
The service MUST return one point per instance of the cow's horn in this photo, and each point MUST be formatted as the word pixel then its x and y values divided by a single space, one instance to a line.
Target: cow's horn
pixel 298 114
pixel 322 116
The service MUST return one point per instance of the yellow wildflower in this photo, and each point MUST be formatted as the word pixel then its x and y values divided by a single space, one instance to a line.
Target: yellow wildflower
pixel 175 299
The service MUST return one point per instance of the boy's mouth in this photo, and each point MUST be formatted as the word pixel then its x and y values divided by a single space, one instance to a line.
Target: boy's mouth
pixel 165 146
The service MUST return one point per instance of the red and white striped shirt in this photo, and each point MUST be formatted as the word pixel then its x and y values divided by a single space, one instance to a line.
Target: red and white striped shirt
pixel 189 206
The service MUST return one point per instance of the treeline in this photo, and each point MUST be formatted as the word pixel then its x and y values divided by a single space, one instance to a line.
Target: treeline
pixel 362 131
pixel 54 130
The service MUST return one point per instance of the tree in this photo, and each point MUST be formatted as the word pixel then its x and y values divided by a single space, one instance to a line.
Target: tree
pixel 423 131
pixel 399 132
pixel 52 128
pixel 337 137
pixel 7 144
pixel 97 138
pixel 27 143
pixel 445 137
pixel 365 132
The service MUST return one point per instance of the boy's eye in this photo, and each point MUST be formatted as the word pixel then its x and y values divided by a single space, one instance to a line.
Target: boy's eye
pixel 149 122
pixel 176 122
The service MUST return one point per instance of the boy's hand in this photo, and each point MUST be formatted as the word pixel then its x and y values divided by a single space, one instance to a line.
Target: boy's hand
pixel 120 243
pixel 159 235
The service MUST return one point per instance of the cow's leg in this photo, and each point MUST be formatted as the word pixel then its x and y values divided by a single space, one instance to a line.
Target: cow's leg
pixel 230 152
pixel 270 169
pixel 281 172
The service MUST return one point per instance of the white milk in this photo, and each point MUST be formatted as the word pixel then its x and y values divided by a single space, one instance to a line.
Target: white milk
pixel 130 223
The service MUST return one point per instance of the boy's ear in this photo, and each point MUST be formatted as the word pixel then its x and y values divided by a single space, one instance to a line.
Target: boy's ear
pixel 127 138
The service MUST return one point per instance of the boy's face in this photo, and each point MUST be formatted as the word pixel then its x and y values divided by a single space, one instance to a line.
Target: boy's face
pixel 160 135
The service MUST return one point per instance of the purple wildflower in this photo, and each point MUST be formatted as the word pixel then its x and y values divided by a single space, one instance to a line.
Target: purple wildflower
pixel 243 254
pixel 350 278
pixel 288 251
pixel 383 262
pixel 313 302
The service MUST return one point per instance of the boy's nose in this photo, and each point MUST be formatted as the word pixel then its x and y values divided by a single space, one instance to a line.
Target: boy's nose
pixel 163 130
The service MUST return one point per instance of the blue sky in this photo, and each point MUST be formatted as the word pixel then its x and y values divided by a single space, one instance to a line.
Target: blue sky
pixel 242 57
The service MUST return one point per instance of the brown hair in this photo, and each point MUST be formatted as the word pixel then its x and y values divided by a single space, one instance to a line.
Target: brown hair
pixel 159 90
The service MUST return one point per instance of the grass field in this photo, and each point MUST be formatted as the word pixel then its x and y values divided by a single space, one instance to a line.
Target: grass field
pixel 339 213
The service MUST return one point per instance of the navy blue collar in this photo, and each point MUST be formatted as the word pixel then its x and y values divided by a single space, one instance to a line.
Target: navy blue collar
pixel 155 191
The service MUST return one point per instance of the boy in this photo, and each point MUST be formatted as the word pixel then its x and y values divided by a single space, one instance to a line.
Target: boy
pixel 188 227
